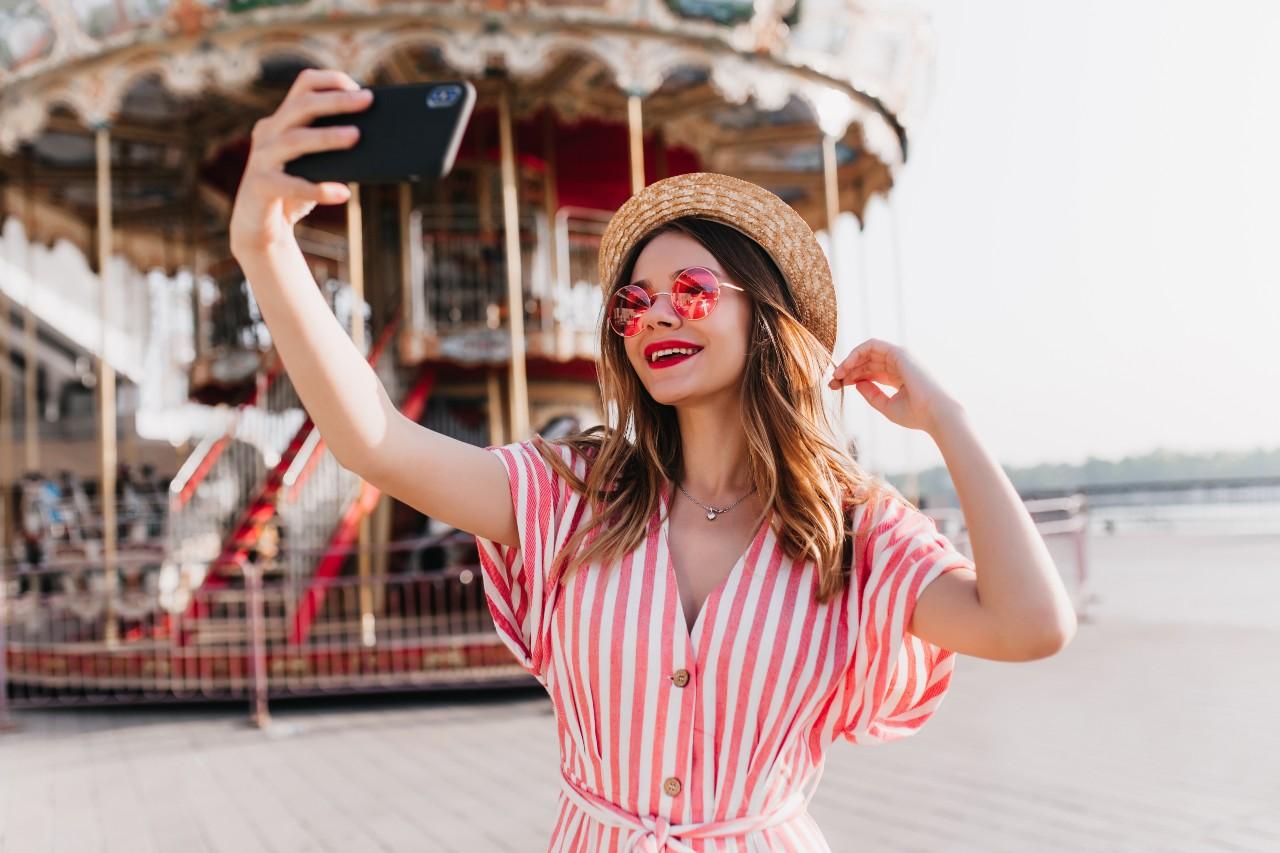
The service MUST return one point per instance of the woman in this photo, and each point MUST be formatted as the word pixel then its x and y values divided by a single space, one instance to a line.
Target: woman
pixel 711 590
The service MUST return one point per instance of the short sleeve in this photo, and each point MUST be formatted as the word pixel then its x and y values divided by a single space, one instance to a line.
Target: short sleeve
pixel 896 680
pixel 516 580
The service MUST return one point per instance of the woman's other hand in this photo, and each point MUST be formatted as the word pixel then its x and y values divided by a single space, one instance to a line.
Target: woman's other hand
pixel 270 201
pixel 919 402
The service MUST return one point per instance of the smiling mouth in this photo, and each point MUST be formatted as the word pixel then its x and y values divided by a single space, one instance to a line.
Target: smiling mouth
pixel 671 360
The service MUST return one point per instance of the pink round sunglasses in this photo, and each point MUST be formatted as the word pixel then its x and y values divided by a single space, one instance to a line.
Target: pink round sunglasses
pixel 694 294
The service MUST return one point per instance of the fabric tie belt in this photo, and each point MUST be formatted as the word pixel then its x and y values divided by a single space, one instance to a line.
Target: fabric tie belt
pixel 657 835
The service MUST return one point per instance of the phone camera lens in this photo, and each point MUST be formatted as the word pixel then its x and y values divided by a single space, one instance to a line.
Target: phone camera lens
pixel 444 96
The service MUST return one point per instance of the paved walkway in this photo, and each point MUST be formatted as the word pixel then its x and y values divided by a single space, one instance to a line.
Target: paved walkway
pixel 1154 731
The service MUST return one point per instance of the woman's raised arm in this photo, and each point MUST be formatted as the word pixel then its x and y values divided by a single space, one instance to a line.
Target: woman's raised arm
pixel 460 484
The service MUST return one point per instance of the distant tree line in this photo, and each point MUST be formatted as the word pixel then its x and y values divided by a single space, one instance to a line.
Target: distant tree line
pixel 1155 467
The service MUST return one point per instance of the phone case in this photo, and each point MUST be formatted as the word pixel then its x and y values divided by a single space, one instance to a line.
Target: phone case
pixel 408 132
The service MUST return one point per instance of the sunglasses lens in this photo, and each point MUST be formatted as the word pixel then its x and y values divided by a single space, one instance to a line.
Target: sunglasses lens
pixel 626 307
pixel 695 292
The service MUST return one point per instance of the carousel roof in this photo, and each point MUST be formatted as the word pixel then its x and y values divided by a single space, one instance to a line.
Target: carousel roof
pixel 880 53
pixel 744 88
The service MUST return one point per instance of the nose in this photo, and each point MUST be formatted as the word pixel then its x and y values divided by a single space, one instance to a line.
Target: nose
pixel 661 311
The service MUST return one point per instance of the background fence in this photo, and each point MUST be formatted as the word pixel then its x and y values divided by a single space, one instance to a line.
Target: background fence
pixel 157 632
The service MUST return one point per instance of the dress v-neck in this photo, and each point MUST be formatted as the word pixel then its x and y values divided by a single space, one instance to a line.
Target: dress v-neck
pixel 691 632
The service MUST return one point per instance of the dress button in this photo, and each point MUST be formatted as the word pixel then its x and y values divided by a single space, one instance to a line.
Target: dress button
pixel 680 677
pixel 671 786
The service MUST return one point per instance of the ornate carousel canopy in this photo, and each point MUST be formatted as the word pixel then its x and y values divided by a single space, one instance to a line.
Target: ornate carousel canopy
pixel 745 88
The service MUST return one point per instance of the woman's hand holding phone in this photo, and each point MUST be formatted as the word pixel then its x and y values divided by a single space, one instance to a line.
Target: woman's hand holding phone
pixel 269 201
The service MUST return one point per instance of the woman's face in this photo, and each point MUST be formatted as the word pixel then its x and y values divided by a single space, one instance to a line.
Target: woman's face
pixel 721 336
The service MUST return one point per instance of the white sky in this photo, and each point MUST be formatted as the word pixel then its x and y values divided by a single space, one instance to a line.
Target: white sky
pixel 1089 231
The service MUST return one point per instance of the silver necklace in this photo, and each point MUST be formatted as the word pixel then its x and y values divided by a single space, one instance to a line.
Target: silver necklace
pixel 712 511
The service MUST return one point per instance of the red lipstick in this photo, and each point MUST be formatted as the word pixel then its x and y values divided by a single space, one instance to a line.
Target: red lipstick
pixel 669 361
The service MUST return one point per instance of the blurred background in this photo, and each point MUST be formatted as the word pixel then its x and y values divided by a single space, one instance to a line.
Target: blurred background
pixel 212 636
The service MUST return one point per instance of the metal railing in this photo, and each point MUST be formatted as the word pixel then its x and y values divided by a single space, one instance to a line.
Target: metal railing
pixel 404 627
pixel 461 296
pixel 1065 518
pixel 430 629
pixel 463 268
pixel 577 298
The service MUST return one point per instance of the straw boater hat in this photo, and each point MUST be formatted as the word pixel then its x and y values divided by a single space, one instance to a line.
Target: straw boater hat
pixel 749 208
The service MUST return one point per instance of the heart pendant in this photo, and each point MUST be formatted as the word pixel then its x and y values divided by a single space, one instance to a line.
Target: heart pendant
pixel 711 516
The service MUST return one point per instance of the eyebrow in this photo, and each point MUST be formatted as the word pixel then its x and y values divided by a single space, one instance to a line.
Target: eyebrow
pixel 644 282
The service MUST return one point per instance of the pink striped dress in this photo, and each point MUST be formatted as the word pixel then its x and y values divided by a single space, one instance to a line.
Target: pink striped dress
pixel 711 737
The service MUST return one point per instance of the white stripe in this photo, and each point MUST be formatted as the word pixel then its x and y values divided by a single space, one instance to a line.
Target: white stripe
pixel 629 696
pixel 652 763
pixel 754 577
pixel 747 759
pixel 612 582
pixel 799 680
pixel 582 670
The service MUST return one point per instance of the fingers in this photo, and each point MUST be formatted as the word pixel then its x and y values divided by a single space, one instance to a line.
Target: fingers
pixel 871 348
pixel 284 136
pixel 311 105
pixel 862 374
pixel 305 140
pixel 328 192
pixel 872 359
pixel 867 367
pixel 873 395
pixel 315 92
pixel 865 358
pixel 311 79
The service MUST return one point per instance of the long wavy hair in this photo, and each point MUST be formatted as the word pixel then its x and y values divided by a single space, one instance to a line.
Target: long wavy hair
pixel 796 458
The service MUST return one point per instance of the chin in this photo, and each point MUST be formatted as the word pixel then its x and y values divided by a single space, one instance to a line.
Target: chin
pixel 678 393
pixel 668 399
pixel 665 392
pixel 664 396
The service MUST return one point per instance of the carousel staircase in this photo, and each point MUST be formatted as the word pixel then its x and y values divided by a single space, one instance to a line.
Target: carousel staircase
pixel 298 464
pixel 210 457
pixel 330 563
pixel 223 471
pixel 316 501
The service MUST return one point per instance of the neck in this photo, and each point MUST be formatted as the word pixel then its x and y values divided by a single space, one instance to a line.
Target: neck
pixel 714 446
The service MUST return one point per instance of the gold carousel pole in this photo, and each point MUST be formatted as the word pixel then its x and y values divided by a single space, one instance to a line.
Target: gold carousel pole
pixel 636 127
pixel 6 428
pixel 192 239
pixel 493 384
pixel 355 272
pixel 660 165
pixel 380 523
pixel 6 457
pixel 407 284
pixel 106 387
pixel 31 435
pixel 518 390
pixel 497 420
pixel 550 204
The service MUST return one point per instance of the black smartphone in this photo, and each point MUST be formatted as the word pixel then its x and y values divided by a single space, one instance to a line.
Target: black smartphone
pixel 408 132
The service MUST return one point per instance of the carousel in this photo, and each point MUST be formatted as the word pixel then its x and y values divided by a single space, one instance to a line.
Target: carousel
pixel 252 561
